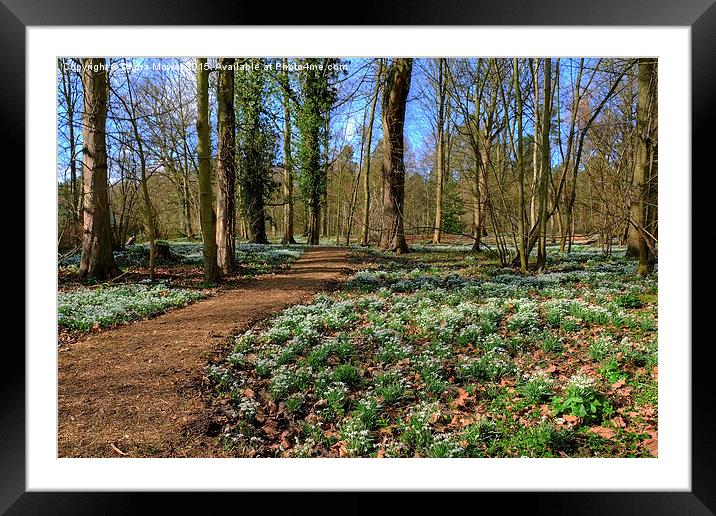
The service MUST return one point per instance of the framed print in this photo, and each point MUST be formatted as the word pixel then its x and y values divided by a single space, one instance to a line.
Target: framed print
pixel 448 304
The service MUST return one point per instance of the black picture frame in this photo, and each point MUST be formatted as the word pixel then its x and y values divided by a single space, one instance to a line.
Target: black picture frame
pixel 700 15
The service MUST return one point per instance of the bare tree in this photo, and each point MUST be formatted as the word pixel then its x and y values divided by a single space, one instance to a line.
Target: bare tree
pixel 546 171
pixel 440 88
pixel 97 260
pixel 522 237
pixel 206 202
pixel 395 96
pixel 288 160
pixel 132 109
pixel 225 167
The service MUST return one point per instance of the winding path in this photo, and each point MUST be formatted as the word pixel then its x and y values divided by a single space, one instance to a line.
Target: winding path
pixel 137 390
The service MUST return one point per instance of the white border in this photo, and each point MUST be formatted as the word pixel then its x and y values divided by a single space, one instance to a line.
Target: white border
pixel 671 471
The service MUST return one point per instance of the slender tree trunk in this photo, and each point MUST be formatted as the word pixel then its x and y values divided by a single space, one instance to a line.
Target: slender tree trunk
pixel 323 213
pixel 212 272
pixel 288 167
pixel 482 187
pixel 485 162
pixel 97 260
pixel 534 67
pixel 338 203
pixel 366 177
pixel 356 182
pixel 521 222
pixel 188 230
pixel 75 187
pixel 225 167
pixel 149 215
pixel 546 167
pixel 395 97
pixel 439 156
pixel 476 213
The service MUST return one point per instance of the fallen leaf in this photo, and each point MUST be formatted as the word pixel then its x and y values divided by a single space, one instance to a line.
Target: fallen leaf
pixel 270 428
pixel 652 444
pixel 617 384
pixel 570 419
pixel 618 421
pixel 461 397
pixel 606 433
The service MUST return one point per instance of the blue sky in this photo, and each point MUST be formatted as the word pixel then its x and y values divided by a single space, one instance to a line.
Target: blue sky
pixel 348 116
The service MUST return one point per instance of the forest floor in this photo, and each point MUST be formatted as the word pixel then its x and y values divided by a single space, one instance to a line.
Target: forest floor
pixel 444 353
pixel 139 389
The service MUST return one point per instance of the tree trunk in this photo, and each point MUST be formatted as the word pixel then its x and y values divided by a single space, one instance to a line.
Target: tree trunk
pixel 323 211
pixel 366 178
pixel 149 215
pixel 439 156
pixel 314 224
pixel 188 230
pixel 476 211
pixel 288 163
pixel 225 168
pixel 534 67
pixel 75 187
pixel 97 260
pixel 339 178
pixel 546 167
pixel 646 148
pixel 206 201
pixel 395 97
pixel 521 240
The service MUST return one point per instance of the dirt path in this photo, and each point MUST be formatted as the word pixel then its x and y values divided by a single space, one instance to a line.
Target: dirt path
pixel 136 390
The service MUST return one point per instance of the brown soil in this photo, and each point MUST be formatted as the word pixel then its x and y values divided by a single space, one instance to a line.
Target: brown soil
pixel 138 390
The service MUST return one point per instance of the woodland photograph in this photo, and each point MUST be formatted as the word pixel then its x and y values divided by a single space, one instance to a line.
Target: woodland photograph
pixel 386 257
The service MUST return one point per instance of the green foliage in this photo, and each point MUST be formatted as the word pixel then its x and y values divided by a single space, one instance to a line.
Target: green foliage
pixel 357 437
pixel 84 309
pixel 406 357
pixel 336 397
pixel 391 387
pixel 317 95
pixel 602 347
pixel 255 138
pixel 416 431
pixel 551 343
pixel 294 402
pixel 493 365
pixel 539 441
pixel 612 372
pixel 453 208
pixel 630 300
pixel 581 399
pixel 537 389
pixel 348 374
pixel 368 410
